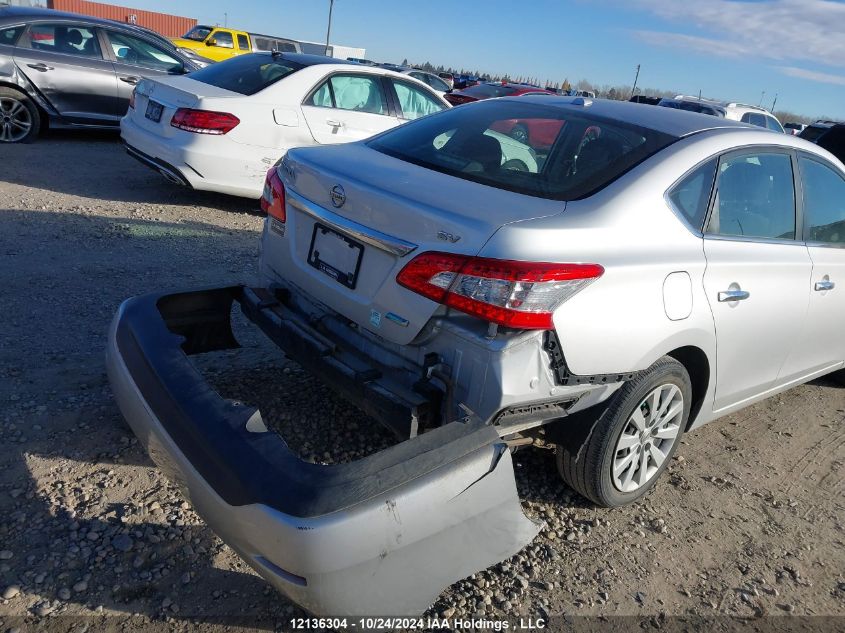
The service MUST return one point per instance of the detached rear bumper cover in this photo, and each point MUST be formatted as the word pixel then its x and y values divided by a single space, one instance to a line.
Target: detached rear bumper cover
pixel 380 536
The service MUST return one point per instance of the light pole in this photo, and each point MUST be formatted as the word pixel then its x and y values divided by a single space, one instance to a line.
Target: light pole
pixel 329 29
pixel 637 76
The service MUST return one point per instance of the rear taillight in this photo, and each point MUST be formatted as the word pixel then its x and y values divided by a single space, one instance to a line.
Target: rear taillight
pixel 132 99
pixel 511 293
pixel 273 198
pixel 204 121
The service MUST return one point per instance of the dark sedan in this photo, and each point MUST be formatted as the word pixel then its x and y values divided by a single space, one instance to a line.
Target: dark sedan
pixel 491 90
pixel 70 70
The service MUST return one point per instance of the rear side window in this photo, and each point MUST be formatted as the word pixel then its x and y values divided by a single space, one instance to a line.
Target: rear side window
pixel 485 143
pixel 414 101
pixel 755 197
pixel 10 36
pixel 64 38
pixel 243 42
pixel 247 74
pixel 691 195
pixel 824 202
pixel 436 83
pixel 358 93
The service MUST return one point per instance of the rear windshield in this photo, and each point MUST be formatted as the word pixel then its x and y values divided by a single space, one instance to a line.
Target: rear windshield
pixel 247 74
pixel 542 151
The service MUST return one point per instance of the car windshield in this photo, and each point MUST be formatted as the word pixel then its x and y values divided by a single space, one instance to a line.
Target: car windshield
pixel 198 33
pixel 247 74
pixel 538 150
pixel 488 91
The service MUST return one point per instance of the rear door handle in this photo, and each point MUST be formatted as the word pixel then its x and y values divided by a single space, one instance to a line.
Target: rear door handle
pixel 40 67
pixel 734 295
pixel 333 123
pixel 824 284
pixel 130 80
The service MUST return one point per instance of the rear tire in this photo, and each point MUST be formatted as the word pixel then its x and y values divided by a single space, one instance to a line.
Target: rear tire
pixel 20 119
pixel 628 447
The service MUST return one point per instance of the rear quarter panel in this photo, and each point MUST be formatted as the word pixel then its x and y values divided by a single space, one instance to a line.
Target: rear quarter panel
pixel 619 323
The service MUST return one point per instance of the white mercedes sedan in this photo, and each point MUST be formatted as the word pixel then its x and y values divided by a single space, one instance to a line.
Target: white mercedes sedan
pixel 221 128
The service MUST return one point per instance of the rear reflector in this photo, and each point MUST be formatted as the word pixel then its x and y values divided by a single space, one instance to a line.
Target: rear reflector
pixel 204 121
pixel 132 99
pixel 515 294
pixel 273 198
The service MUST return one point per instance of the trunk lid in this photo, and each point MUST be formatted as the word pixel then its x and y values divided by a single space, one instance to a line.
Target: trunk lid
pixel 395 202
pixel 171 93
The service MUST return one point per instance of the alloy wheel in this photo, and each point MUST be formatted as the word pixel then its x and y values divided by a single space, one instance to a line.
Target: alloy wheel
pixel 15 120
pixel 648 438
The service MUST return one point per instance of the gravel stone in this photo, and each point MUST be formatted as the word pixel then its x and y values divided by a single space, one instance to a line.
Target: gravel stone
pixel 122 542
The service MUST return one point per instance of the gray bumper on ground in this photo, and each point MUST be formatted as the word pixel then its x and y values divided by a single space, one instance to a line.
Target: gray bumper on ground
pixel 380 536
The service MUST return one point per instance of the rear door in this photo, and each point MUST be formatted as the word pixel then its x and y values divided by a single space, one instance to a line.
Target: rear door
pixel 757 279
pixel 347 107
pixel 135 58
pixel 65 62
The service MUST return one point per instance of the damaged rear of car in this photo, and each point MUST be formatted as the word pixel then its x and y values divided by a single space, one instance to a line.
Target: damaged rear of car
pixel 468 297
pixel 336 539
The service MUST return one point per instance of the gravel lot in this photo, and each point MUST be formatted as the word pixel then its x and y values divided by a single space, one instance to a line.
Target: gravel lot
pixel 747 522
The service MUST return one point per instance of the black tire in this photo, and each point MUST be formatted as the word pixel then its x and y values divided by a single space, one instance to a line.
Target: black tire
pixel 838 377
pixel 587 467
pixel 519 133
pixel 12 118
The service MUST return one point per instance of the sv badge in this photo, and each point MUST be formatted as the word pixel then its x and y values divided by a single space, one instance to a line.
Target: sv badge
pixel 447 237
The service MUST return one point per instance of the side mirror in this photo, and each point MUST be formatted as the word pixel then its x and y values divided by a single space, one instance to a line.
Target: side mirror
pixel 211 42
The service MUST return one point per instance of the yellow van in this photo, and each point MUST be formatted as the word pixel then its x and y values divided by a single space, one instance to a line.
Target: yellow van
pixel 219 43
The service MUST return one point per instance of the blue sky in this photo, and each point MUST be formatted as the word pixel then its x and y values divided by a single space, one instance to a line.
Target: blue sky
pixel 727 49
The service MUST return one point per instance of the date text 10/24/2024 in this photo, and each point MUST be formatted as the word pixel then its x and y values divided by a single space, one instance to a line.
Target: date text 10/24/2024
pixel 387 624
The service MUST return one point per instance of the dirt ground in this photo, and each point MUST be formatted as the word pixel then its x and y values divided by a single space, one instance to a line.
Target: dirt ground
pixel 746 523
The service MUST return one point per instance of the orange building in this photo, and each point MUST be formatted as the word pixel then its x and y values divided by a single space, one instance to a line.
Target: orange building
pixel 167 25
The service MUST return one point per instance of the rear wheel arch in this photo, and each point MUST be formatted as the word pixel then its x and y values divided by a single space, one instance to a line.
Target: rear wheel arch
pixel 36 99
pixel 695 361
pixel 20 116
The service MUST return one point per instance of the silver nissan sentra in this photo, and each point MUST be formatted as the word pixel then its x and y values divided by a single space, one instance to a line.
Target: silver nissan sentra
pixel 649 271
